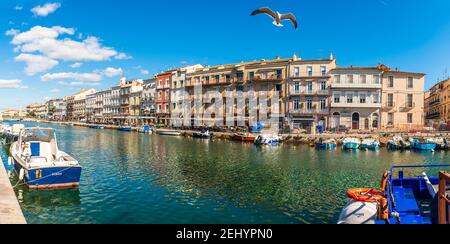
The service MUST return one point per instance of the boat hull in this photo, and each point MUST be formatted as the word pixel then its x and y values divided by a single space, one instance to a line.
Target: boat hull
pixel 169 133
pixel 49 178
pixel 201 136
pixel 125 129
pixel 325 146
pixel 424 146
pixel 370 146
pixel 350 146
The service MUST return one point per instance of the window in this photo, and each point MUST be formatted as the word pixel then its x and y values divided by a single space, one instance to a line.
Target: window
pixel 410 82
pixel 350 79
pixel 362 98
pixel 207 78
pixel 240 88
pixel 240 75
pixel 309 86
pixel 376 79
pixel 297 87
pixel 160 82
pixel 349 98
pixel 323 85
pixel 279 73
pixel 337 79
pixel 251 75
pixel 410 118
pixel 297 71
pixel 297 104
pixel 410 101
pixel 323 70
pixel 376 98
pixel 323 104
pixel 310 70
pixel 363 79
pixel 309 104
pixel 390 119
pixel 390 100
pixel 337 98
pixel 391 81
pixel 279 87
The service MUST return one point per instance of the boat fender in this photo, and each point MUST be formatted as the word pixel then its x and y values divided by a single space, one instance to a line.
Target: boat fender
pixel 9 161
pixel 383 210
pixel 21 174
pixel 384 181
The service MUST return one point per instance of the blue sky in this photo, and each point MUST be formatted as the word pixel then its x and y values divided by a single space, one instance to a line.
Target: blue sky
pixel 103 39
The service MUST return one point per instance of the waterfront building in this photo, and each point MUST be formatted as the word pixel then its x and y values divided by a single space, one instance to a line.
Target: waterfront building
pixel 114 105
pixel 148 105
pixel 12 113
pixel 56 109
pixel 79 104
pixel 163 97
pixel 403 100
pixel 31 109
pixel 128 90
pixel 437 103
pixel 90 107
pixel 106 108
pixel 99 106
pixel 309 92
pixel 356 98
pixel 69 100
pixel 135 107
pixel 41 111
pixel 178 81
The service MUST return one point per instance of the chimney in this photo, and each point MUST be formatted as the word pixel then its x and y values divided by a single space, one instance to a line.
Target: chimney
pixel 295 57
pixel 331 56
pixel 277 57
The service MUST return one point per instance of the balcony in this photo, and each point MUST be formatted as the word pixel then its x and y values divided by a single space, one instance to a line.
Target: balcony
pixel 309 111
pixel 267 78
pixel 309 75
pixel 436 102
pixel 434 115
pixel 409 106
pixel 356 85
pixel 355 105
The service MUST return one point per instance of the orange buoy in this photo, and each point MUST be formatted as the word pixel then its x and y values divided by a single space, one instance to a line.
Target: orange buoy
pixel 365 195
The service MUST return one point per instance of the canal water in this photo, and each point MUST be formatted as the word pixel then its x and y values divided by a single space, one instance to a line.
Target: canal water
pixel 136 178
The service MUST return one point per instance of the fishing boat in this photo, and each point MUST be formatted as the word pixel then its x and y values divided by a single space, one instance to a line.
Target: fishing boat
pixel 329 144
pixel 351 143
pixel 398 143
pixel 406 196
pixel 441 143
pixel 40 164
pixel 268 140
pixel 422 145
pixel 98 127
pixel 168 132
pixel 125 128
pixel 145 130
pixel 244 137
pixel 370 144
pixel 203 134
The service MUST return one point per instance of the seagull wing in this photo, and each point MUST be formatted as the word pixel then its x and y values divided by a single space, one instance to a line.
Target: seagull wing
pixel 265 10
pixel 290 17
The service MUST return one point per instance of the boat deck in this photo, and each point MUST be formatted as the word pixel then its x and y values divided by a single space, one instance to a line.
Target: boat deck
pixel 408 207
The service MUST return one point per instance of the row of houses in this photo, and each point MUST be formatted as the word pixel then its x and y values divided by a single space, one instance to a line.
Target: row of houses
pixel 308 93
pixel 437 104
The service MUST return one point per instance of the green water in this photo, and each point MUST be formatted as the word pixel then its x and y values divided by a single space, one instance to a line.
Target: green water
pixel 135 178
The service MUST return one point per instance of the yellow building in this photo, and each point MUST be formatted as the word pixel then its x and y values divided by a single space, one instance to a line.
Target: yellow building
pixel 437 103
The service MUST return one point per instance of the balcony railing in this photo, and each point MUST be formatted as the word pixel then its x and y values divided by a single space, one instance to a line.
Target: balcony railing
pixel 409 105
pixel 433 115
pixel 389 105
pixel 276 78
pixel 309 111
pixel 309 74
pixel 434 102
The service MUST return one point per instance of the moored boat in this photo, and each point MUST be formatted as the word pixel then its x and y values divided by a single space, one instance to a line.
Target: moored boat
pixel 125 128
pixel 405 197
pixel 441 143
pixel 168 132
pixel 40 164
pixel 244 137
pixel 398 143
pixel 203 134
pixel 145 129
pixel 325 144
pixel 422 145
pixel 98 127
pixel 268 140
pixel 351 143
pixel 370 144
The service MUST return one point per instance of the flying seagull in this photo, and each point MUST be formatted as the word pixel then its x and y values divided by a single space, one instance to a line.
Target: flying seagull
pixel 276 16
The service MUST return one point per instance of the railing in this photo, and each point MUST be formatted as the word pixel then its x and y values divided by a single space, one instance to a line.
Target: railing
pixel 389 105
pixel 266 78
pixel 433 115
pixel 308 74
pixel 434 102
pixel 409 105
pixel 309 111
pixel 444 202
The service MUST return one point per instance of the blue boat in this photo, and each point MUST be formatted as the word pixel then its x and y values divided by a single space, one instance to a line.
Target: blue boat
pixel 351 144
pixel 145 129
pixel 370 144
pixel 423 145
pixel 125 128
pixel 96 127
pixel 40 164
pixel 406 196
pixel 326 145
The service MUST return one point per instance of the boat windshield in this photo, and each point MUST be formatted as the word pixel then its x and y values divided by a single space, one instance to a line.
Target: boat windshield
pixel 38 134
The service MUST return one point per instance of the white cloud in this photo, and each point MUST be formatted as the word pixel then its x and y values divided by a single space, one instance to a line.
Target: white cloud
pixel 76 65
pixel 45 9
pixel 122 56
pixel 36 63
pixel 145 72
pixel 111 72
pixel 12 84
pixel 79 83
pixel 18 8
pixel 55 90
pixel 79 77
pixel 12 32
pixel 40 33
